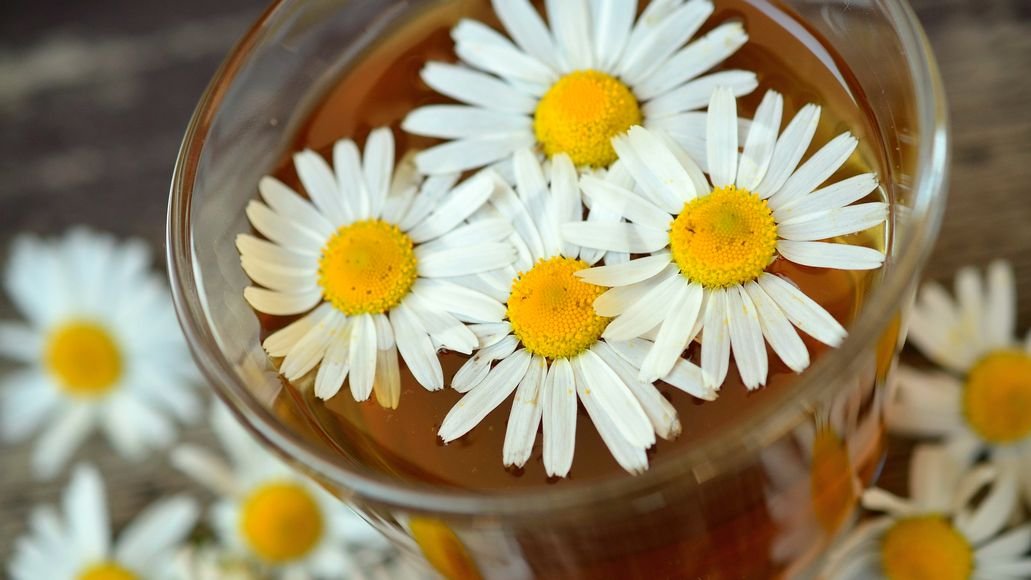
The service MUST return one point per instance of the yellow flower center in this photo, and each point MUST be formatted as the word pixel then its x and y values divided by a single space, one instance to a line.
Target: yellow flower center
pixel 920 548
pixel 581 113
pixel 106 571
pixel 997 397
pixel 725 238
pixel 367 267
pixel 552 311
pixel 830 480
pixel 84 358
pixel 281 522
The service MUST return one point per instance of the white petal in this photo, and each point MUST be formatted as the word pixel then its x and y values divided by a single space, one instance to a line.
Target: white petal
pixel 647 53
pixel 61 439
pixel 831 255
pixel 347 164
pixel 462 302
pixel 569 25
pixel 779 332
pixel 617 300
pixel 674 333
pixel 476 88
pixel 693 60
pixel 204 467
pixel 286 280
pixel 695 94
pixel 525 418
pixel 716 339
pixel 335 364
pixel 565 198
pixel 466 154
pixel 322 186
pixel 446 330
pixel 559 419
pixel 254 248
pixel 834 222
pixel 629 455
pixel 282 303
pixel 616 237
pixel 485 397
pixel 1014 542
pixel 762 138
pixel 459 122
pixel 309 350
pixel 802 311
pixel 378 167
pixel 479 232
pixel 161 527
pixel 527 29
pixel 994 511
pixel 488 334
pixel 465 261
pixel 416 349
pixel 388 379
pixel 362 356
pixel 657 169
pixel 647 313
pixel 290 206
pixel 85 508
pixel 614 398
pixel 721 137
pixel 433 189
pixel 613 20
pixel 835 195
pixel 816 169
pixel 625 203
pixel 487 50
pixel 283 231
pixel 20 342
pixel 660 412
pixel 280 342
pixel 474 370
pixel 27 399
pixel 790 147
pixel 457 205
pixel 1000 305
pixel 509 206
pixel 746 338
pixel 626 274
pixel 685 375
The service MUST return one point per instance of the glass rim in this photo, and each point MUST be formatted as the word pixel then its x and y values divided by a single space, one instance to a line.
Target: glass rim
pixel 692 467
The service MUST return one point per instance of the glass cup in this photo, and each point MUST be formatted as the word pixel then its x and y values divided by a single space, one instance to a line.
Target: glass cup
pixel 763 498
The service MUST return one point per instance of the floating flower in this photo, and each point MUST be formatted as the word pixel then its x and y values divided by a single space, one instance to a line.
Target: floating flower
pixel 572 86
pixel 549 350
pixel 77 544
pixel 711 246
pixel 941 532
pixel 89 362
pixel 982 402
pixel 373 259
pixel 270 514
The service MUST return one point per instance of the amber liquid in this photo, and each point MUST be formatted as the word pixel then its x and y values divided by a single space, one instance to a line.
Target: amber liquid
pixel 381 87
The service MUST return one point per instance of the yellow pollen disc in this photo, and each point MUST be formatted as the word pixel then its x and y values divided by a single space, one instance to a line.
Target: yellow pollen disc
pixel 725 238
pixel 84 358
pixel 997 397
pixel 552 311
pixel 281 522
pixel 106 571
pixel 925 547
pixel 367 267
pixel 581 113
pixel 830 480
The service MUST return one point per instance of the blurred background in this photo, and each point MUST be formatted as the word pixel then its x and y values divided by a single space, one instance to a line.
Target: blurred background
pixel 95 97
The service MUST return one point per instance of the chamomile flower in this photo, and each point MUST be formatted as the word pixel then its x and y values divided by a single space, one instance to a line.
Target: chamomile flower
pixel 89 361
pixel 270 514
pixel 710 245
pixel 814 480
pixel 982 402
pixel 77 544
pixel 571 85
pixel 549 350
pixel 945 531
pixel 371 252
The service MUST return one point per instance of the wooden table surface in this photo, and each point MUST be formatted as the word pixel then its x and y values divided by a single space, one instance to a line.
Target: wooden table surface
pixel 95 96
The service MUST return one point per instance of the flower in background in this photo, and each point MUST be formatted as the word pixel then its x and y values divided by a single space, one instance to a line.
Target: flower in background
pixel 77 543
pixel 572 84
pixel 100 346
pixel 981 402
pixel 710 245
pixel 549 350
pixel 365 259
pixel 953 527
pixel 271 515
pixel 212 562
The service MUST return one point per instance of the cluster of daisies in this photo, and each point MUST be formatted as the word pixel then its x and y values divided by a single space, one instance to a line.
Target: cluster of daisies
pixel 595 206
pixel 83 362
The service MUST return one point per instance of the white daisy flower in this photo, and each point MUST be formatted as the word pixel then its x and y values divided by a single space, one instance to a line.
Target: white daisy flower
pixel 571 85
pixel 710 245
pixel 814 477
pixel 89 362
pixel 952 527
pixel 76 544
pixel 271 514
pixel 371 251
pixel 982 401
pixel 549 348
